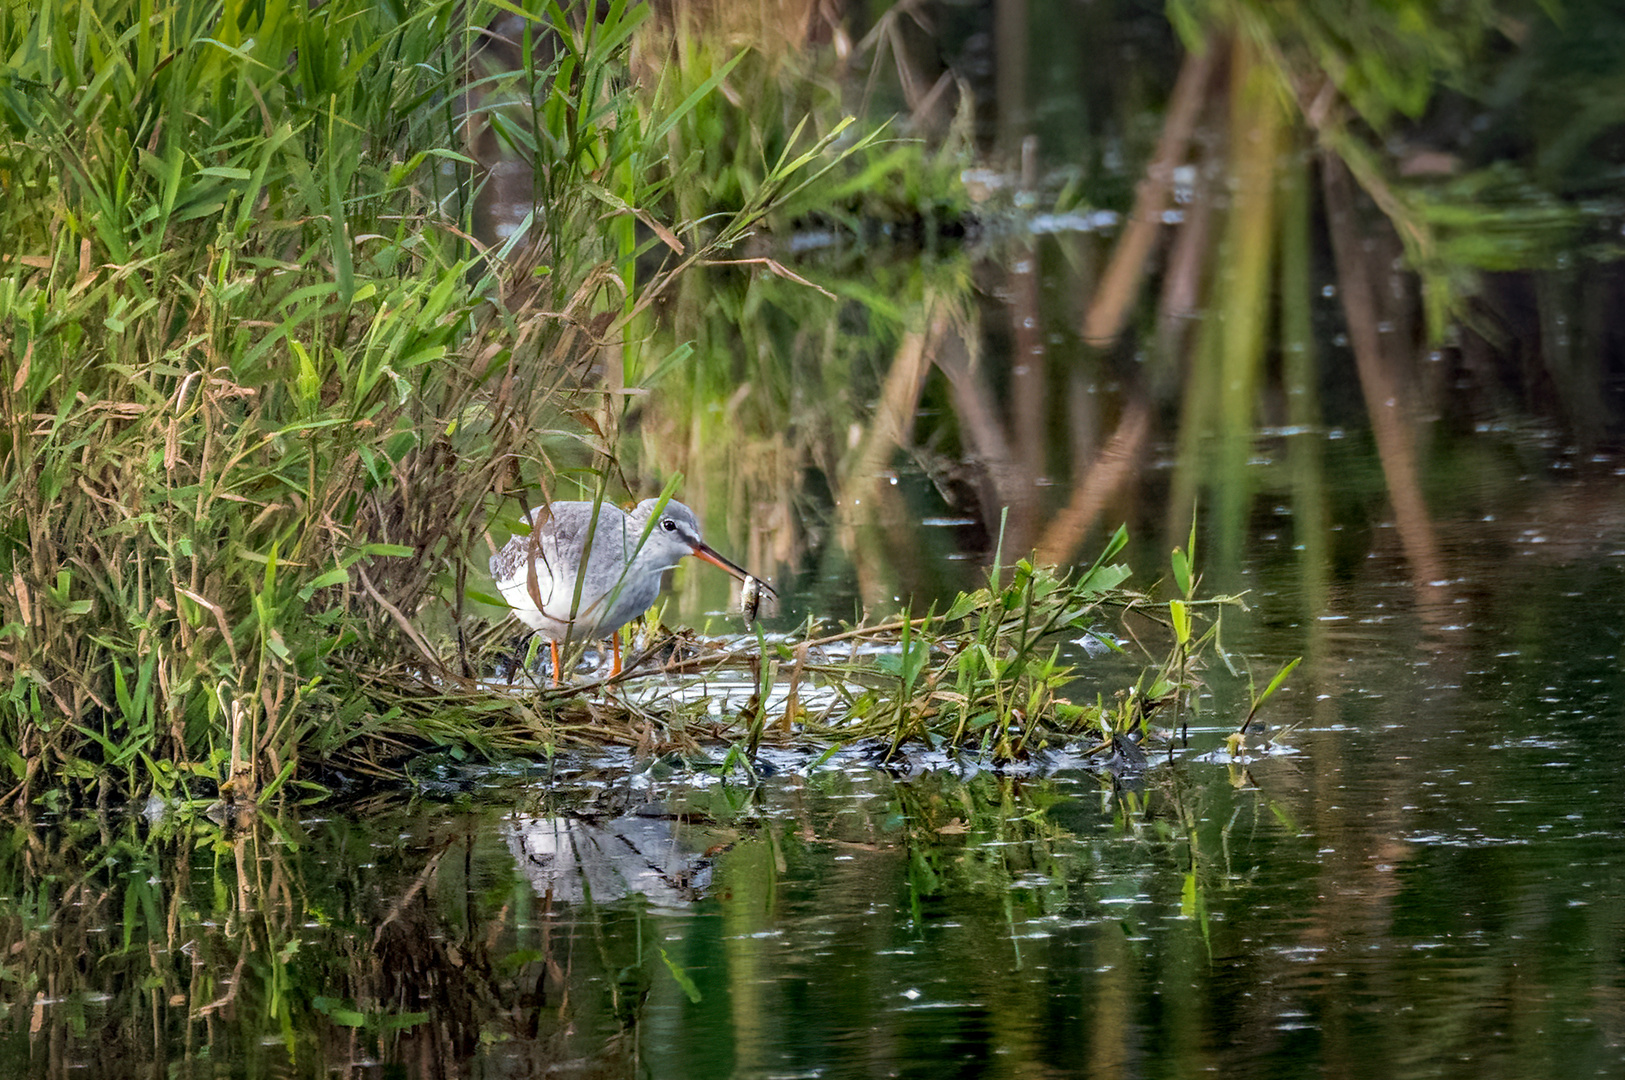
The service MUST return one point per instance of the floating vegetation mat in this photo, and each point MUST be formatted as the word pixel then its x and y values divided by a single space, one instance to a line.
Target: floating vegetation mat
pixel 996 674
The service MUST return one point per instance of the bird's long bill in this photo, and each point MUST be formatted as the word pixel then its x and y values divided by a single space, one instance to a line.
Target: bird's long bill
pixel 703 551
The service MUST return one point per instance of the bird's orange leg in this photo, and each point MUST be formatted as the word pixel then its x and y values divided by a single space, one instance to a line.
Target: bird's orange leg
pixel 615 668
pixel 558 665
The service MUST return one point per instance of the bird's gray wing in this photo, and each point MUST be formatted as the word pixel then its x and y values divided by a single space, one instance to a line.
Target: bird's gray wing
pixel 568 528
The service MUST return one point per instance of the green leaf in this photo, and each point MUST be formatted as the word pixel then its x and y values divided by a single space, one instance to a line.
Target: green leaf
pixel 699 93
pixel 1180 614
pixel 397 550
pixel 1280 677
pixel 275 785
pixel 1182 573
pixel 121 693
pixel 338 1012
pixel 337 576
pixel 1102 579
pixel 403 1021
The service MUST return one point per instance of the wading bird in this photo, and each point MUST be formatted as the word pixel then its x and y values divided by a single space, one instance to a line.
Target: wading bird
pixel 587 569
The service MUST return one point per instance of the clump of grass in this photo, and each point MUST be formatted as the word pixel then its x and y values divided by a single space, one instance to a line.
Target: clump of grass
pixel 233 365
pixel 987 673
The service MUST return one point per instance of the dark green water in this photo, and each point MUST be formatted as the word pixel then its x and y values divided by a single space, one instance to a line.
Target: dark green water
pixel 1428 885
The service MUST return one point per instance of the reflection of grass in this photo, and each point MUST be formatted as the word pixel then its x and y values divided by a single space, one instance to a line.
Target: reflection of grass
pixel 245 942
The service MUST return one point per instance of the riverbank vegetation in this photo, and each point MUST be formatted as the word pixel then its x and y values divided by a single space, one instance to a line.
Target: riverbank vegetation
pixel 261 388
pixel 302 304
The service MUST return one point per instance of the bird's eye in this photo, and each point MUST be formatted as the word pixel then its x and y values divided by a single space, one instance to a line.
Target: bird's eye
pixel 668 524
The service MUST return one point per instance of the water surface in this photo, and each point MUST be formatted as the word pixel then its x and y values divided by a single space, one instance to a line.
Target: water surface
pixel 1423 881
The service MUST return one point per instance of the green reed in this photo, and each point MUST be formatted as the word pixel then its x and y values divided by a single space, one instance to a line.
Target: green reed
pixel 231 322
